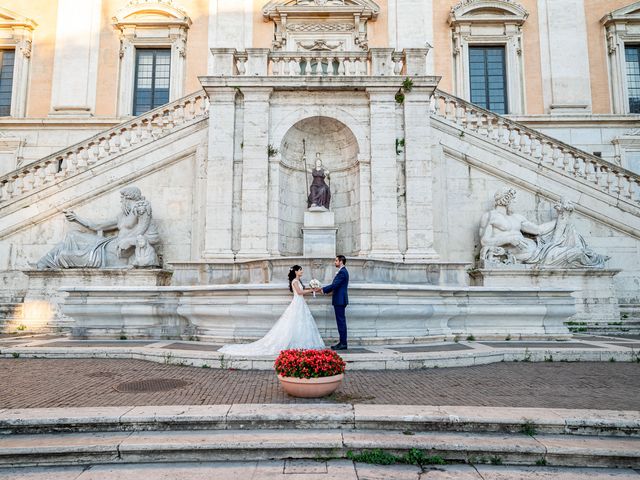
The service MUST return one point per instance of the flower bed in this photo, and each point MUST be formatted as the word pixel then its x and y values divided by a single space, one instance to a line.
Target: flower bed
pixel 309 363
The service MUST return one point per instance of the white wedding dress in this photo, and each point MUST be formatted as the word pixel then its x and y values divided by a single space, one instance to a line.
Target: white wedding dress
pixel 296 328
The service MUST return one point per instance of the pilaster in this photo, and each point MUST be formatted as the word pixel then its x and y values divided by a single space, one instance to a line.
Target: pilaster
pixel 219 197
pixel 419 183
pixel 255 174
pixel 384 183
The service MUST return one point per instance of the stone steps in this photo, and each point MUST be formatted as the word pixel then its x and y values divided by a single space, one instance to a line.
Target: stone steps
pixel 413 418
pixel 251 444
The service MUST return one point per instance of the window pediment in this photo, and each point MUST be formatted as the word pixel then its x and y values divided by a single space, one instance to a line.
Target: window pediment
pixel 487 11
pixel 305 24
pixel 148 13
pixel 9 19
pixel 630 12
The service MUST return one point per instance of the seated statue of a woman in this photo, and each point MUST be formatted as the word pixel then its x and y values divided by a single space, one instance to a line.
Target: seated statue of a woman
pixel 93 250
pixel 319 192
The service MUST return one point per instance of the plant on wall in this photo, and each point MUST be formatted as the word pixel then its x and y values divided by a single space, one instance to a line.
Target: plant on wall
pixel 407 86
pixel 271 151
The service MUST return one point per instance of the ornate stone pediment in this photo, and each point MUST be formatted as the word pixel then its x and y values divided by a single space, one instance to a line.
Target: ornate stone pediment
pixel 488 11
pixel 630 12
pixel 304 22
pixel 151 13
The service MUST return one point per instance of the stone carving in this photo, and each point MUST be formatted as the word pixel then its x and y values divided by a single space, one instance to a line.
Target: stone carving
pixel 319 192
pixel 320 45
pixel 320 27
pixel 320 3
pixel 509 238
pixel 131 246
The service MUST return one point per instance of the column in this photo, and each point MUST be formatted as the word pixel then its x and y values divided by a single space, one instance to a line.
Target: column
pixel 219 202
pixel 564 56
pixel 414 26
pixel 384 183
pixel 255 174
pixel 230 25
pixel 75 66
pixel 419 182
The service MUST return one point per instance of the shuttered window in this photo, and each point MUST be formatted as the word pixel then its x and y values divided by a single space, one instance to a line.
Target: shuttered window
pixel 153 69
pixel 487 78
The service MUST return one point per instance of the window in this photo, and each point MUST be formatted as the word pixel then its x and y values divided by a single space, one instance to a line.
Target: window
pixel 632 56
pixel 487 78
pixel 488 65
pixel 153 70
pixel 7 60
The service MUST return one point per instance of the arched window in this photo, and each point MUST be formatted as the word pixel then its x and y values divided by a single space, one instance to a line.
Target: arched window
pixel 622 29
pixel 153 36
pixel 487 49
pixel 15 55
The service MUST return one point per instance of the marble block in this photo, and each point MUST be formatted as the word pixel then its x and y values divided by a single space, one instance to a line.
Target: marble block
pixel 319 233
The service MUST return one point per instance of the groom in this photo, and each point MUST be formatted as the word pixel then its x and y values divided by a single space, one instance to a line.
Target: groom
pixel 340 300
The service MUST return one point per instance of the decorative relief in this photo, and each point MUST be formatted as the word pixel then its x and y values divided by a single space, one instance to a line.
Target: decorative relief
pixel 320 45
pixel 320 27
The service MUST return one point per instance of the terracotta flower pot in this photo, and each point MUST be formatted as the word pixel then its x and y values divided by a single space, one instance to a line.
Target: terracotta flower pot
pixel 310 387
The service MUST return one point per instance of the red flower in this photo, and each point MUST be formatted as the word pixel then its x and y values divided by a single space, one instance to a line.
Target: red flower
pixel 309 363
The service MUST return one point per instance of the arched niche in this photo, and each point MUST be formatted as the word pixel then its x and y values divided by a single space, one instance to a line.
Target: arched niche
pixel 338 148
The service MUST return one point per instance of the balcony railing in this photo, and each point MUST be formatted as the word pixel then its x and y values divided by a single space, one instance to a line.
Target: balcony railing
pixel 374 62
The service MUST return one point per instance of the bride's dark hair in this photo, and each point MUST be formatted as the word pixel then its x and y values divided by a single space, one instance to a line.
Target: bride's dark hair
pixel 292 276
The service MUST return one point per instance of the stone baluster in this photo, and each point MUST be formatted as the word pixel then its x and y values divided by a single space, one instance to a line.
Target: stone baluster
pixel 567 161
pixel 634 190
pixel 536 148
pixel 513 137
pixel 61 171
pixel 525 143
pixel 118 147
pixel 103 152
pixel 71 162
pixel 546 151
pixel 191 109
pixel 341 68
pixel 555 156
pixel 623 185
pixel 10 187
pixel 18 185
pixel 27 181
pixel 590 170
pixel 578 166
pixel 449 107
pixel 37 176
pixel 125 138
pixel 459 112
pixel 4 192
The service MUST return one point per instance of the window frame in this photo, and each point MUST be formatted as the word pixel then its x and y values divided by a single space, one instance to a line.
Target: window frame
pixel 635 46
pixel 3 52
pixel 150 25
pixel 153 78
pixel 472 26
pixel 621 27
pixel 504 78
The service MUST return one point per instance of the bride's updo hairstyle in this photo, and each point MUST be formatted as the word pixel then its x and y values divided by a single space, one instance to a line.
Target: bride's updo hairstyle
pixel 292 276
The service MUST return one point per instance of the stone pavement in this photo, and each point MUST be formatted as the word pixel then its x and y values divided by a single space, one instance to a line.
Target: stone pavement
pixel 29 383
pixel 311 470
pixel 416 356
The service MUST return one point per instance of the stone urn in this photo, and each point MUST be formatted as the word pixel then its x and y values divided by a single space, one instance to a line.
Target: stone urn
pixel 310 387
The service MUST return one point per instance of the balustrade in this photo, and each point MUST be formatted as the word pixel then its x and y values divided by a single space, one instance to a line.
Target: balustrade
pixel 541 149
pixel 102 147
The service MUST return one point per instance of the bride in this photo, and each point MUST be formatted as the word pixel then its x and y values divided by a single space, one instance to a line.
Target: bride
pixel 296 328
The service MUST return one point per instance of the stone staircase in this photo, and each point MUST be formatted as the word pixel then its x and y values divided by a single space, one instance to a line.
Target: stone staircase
pixel 604 191
pixel 473 435
pixel 33 181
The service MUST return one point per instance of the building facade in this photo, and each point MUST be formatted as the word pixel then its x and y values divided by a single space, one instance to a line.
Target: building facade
pixel 421 110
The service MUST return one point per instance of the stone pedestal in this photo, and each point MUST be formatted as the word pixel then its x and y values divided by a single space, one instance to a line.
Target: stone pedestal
pixel 44 297
pixel 319 233
pixel 596 301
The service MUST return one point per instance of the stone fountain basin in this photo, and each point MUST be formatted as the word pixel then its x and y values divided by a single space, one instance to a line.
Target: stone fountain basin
pixel 378 313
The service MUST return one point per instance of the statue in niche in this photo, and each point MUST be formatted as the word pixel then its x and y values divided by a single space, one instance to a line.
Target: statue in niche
pixel 319 192
pixel 509 238
pixel 131 246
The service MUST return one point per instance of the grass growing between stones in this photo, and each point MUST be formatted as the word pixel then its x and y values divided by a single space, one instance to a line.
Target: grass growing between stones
pixel 380 457
pixel 528 428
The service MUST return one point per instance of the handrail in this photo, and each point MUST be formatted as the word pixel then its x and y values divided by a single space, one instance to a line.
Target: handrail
pixel 107 144
pixel 543 149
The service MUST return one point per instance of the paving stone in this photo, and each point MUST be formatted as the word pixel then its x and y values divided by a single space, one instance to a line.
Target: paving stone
pixel 635 346
pixel 96 344
pixel 205 347
pixel 549 473
pixel 293 466
pixel 546 345
pixel 35 383
pixel 450 347
pixel 40 473
pixel 451 472
pixel 388 472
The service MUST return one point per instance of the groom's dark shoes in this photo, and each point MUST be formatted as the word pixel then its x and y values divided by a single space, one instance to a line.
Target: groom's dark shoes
pixel 339 346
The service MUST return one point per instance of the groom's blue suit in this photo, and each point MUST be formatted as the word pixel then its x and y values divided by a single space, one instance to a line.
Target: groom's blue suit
pixel 340 301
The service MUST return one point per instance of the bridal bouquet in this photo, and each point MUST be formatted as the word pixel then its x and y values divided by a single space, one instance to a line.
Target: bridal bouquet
pixel 309 363
pixel 315 283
